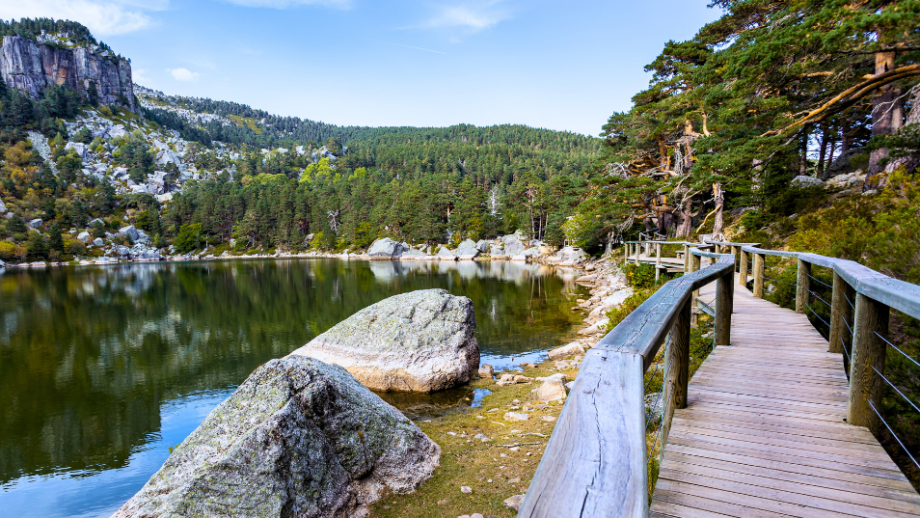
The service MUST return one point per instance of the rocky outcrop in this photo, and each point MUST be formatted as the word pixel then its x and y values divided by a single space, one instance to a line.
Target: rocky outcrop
pixel 297 438
pixel 386 248
pixel 421 341
pixel 31 67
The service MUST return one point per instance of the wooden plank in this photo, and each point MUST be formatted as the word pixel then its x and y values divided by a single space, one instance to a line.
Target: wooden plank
pixel 771 498
pixel 884 497
pixel 754 505
pixel 662 509
pixel 882 485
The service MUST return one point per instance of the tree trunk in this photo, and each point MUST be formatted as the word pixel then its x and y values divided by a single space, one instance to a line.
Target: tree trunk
pixel 882 118
pixel 803 159
pixel 686 218
pixel 845 138
pixel 824 140
pixel 719 198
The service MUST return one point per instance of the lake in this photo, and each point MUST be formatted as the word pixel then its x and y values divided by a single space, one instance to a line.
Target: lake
pixel 103 369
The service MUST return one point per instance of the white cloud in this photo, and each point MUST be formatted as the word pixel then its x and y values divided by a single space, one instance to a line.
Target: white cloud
pixel 102 17
pixel 472 16
pixel 140 76
pixel 287 4
pixel 183 74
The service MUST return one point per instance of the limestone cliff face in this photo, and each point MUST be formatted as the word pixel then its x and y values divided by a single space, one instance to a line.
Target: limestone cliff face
pixel 32 66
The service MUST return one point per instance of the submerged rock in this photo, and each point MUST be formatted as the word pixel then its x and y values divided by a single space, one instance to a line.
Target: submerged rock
pixel 419 341
pixel 297 438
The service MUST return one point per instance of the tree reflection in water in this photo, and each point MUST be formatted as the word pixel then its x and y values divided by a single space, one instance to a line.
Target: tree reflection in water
pixel 88 356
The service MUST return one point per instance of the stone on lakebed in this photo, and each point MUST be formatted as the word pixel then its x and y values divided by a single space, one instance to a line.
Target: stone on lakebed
pixel 297 438
pixel 421 341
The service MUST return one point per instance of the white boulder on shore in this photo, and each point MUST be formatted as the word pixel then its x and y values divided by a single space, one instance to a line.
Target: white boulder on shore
pixel 421 341
pixel 386 248
pixel 297 438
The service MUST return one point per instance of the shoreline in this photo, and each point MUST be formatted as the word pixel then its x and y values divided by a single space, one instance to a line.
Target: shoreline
pixel 491 452
pixel 108 261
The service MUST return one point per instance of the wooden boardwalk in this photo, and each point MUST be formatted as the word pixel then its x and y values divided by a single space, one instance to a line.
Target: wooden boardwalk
pixel 764 433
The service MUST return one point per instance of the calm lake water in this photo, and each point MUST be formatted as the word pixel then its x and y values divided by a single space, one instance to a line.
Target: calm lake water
pixel 102 369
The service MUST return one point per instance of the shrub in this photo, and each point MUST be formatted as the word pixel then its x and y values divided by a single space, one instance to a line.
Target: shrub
pixel 189 238
pixel 11 252
pixel 75 247
pixel 640 275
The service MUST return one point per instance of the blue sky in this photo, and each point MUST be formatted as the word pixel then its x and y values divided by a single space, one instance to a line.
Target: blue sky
pixel 552 64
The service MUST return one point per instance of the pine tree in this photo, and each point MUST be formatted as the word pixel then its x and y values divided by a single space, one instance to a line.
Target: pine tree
pixel 55 240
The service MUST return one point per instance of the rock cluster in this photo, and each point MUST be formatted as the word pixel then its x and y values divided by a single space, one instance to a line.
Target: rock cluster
pixel 421 341
pixel 297 438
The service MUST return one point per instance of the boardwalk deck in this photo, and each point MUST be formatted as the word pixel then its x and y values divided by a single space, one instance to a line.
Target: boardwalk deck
pixel 764 433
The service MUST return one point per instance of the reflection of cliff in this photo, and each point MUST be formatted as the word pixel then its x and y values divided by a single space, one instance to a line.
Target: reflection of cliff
pixel 88 356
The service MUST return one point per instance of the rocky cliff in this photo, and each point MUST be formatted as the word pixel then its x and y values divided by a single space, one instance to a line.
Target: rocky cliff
pixel 32 66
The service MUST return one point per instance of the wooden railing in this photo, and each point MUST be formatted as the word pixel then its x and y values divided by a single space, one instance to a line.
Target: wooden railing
pixel 595 464
pixel 864 342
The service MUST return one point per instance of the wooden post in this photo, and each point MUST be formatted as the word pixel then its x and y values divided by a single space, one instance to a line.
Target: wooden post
pixel 841 313
pixel 868 351
pixel 694 266
pixel 742 279
pixel 686 259
pixel 802 285
pixel 758 275
pixel 678 370
pixel 724 303
pixel 657 261
pixel 735 255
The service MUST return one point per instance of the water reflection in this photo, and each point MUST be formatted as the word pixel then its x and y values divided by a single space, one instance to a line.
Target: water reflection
pixel 90 357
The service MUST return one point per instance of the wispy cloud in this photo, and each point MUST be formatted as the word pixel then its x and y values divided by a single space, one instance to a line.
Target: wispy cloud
pixel 407 46
pixel 288 4
pixel 103 17
pixel 183 74
pixel 470 15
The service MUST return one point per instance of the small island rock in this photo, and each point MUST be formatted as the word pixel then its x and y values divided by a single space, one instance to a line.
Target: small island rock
pixel 421 341
pixel 297 438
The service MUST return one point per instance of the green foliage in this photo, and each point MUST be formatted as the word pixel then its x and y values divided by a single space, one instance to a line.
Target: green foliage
pixel 11 252
pixel 189 238
pixel 640 276
pixel 36 246
pixel 55 240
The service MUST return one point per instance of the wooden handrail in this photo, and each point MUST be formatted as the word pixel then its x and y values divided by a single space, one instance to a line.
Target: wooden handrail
pixel 595 464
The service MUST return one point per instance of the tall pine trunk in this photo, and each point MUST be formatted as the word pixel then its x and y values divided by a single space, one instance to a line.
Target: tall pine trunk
pixel 719 197
pixel 882 119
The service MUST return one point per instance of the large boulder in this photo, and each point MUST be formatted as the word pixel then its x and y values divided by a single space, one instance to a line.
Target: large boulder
pixel 806 181
pixel 2 207
pixel 513 245
pixel 467 250
pixel 386 248
pixel 419 341
pixel 446 255
pixel 297 438
pixel 129 232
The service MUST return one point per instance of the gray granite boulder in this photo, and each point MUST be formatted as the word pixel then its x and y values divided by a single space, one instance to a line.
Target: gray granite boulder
pixel 467 250
pixel 129 232
pixel 35 223
pixel 297 438
pixel 386 248
pixel 806 181
pixel 421 341
pixel 2 207
pixel 513 245
pixel 446 255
